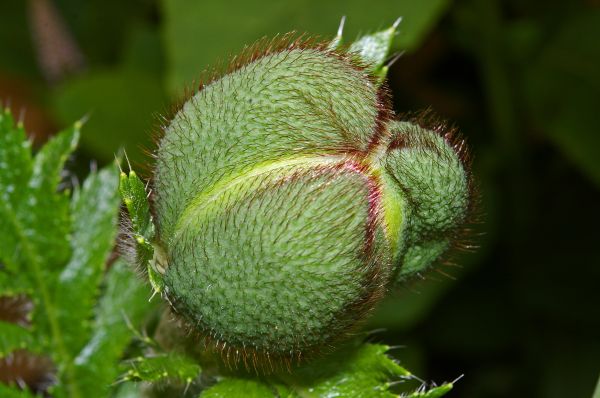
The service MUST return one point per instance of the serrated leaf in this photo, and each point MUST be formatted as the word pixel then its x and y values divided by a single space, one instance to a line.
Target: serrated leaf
pixel 15 159
pixel 33 206
pixel 94 210
pixel 238 388
pixel 35 228
pixel 353 371
pixel 375 48
pixel 434 392
pixel 10 240
pixel 125 299
pixel 42 240
pixel 14 392
pixel 44 205
pixel 164 367
pixel 12 283
pixel 133 193
pixel 357 370
pixel 13 337
pixel 15 171
pixel 49 161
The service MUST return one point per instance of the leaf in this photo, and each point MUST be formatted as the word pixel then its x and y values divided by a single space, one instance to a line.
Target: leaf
pixel 15 159
pixel 128 390
pixel 434 392
pixel 14 392
pixel 374 49
pixel 9 242
pixel 15 171
pixel 124 299
pixel 43 240
pixel 135 198
pixel 237 388
pixel 225 27
pixel 357 370
pixel 354 371
pixel 13 337
pixel 134 195
pixel 44 205
pixel 164 367
pixel 12 284
pixel 35 222
pixel 94 210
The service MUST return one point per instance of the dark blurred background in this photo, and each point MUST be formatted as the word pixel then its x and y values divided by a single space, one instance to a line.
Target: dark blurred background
pixel 520 316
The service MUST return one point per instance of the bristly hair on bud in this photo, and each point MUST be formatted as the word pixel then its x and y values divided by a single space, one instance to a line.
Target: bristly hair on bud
pixel 287 199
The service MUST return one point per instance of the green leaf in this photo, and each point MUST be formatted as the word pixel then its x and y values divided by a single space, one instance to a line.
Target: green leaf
pixel 350 372
pixel 94 210
pixel 44 205
pixel 135 198
pixel 13 283
pixel 13 337
pixel 14 392
pixel 9 242
pixel 238 388
pixel 39 224
pixel 434 392
pixel 124 300
pixel 15 159
pixel 375 48
pixel 15 171
pixel 164 367
pixel 134 195
pixel 128 390
pixel 357 370
pixel 226 27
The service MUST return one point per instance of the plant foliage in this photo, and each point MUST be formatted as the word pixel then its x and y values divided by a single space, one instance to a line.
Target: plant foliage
pixel 54 250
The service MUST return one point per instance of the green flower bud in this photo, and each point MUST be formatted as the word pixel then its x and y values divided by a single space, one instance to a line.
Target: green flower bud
pixel 287 201
pixel 428 193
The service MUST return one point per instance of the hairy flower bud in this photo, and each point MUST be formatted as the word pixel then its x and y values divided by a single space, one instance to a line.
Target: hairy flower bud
pixel 287 200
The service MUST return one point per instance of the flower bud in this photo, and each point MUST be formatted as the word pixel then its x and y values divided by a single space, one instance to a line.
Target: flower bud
pixel 287 201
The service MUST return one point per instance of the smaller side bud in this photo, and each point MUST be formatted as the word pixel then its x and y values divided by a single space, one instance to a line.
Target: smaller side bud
pixel 431 174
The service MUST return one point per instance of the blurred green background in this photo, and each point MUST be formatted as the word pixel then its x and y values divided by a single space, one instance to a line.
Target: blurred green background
pixel 520 316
